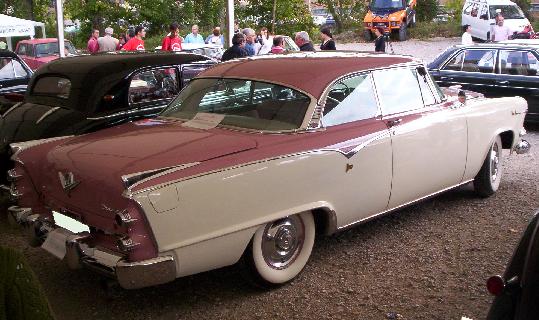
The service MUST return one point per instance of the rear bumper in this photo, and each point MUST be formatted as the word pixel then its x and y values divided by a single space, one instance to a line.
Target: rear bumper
pixel 77 254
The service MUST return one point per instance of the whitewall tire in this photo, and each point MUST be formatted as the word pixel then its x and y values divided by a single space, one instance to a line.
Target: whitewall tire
pixel 487 181
pixel 280 250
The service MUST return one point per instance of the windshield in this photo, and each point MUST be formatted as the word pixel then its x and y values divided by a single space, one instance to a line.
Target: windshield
pixel 51 48
pixel 240 103
pixel 387 4
pixel 319 12
pixel 508 12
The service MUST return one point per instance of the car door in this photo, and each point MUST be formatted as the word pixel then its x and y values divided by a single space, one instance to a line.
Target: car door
pixel 429 141
pixel 351 113
pixel 471 68
pixel 518 76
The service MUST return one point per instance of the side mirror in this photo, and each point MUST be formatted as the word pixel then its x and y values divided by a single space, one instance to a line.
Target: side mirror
pixel 422 72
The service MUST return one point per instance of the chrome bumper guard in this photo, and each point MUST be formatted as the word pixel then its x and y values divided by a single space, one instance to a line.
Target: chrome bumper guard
pixel 130 275
pixel 522 147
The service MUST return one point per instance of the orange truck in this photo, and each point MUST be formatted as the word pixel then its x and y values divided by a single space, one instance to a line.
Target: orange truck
pixel 394 16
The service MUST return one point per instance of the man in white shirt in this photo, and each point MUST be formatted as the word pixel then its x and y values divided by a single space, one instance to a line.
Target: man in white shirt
pixel 499 31
pixel 467 35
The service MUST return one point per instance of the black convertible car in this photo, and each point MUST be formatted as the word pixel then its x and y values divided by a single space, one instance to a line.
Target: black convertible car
pixel 81 94
pixel 493 69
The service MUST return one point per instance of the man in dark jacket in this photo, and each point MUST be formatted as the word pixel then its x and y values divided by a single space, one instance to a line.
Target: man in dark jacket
pixel 237 50
pixel 303 41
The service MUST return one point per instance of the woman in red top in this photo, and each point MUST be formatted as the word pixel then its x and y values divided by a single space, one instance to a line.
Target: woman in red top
pixel 172 42
pixel 136 43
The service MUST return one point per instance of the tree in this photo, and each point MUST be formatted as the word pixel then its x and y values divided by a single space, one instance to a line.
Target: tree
pixel 426 10
pixel 347 13
pixel 290 16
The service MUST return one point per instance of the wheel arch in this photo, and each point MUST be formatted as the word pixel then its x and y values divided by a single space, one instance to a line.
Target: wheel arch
pixel 508 138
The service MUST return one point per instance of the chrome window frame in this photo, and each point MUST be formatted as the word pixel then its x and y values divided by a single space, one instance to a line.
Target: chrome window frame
pixel 457 52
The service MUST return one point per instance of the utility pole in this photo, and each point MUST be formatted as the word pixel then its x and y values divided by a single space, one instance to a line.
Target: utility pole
pixel 60 25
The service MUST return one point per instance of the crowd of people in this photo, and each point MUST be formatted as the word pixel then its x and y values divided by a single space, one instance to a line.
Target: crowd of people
pixel 245 42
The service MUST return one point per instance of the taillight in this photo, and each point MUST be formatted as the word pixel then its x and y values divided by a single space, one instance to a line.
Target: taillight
pixel 495 285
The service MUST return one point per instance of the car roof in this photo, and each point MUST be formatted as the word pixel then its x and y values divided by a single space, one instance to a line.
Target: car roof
pixel 41 40
pixel 92 76
pixel 310 72
pixel 502 45
pixel 495 2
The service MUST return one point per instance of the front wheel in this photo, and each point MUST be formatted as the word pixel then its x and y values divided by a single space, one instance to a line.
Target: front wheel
pixel 487 181
pixel 279 250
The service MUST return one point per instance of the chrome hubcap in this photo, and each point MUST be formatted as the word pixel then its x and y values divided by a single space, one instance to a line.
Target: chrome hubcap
pixel 282 241
pixel 494 162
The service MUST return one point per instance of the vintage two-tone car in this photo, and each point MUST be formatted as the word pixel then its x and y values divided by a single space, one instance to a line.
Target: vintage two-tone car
pixel 252 158
pixel 82 94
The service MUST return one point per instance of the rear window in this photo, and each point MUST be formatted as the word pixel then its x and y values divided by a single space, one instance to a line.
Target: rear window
pixel 53 86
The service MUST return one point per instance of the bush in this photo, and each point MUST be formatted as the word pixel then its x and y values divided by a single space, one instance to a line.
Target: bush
pixel 428 30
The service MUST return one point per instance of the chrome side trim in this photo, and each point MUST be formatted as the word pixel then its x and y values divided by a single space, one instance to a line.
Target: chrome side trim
pixel 46 114
pixel 122 113
pixel 362 143
pixel 400 206
pixel 20 146
pixel 152 174
pixel 11 109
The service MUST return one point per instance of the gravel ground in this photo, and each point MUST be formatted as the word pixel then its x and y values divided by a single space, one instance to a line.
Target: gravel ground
pixel 428 261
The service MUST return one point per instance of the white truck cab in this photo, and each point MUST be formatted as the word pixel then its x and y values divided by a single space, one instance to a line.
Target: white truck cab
pixel 481 14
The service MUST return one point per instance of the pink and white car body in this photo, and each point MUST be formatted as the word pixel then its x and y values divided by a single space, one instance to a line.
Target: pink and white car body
pixel 178 195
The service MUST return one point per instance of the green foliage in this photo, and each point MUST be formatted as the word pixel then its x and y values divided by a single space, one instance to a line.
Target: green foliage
pixel 347 13
pixel 524 5
pixel 291 16
pixel 426 10
pixel 455 6
pixel 428 29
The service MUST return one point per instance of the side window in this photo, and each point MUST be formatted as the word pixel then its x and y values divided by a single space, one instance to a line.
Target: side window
pixel 518 63
pixel 152 85
pixel 20 72
pixel 483 12
pixel 398 90
pixel 21 50
pixel 473 61
pixel 426 90
pixel 351 99
pixel 6 69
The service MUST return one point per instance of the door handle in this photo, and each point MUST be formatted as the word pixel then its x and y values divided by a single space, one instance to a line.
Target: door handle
pixel 392 123
pixel 503 82
pixel 446 78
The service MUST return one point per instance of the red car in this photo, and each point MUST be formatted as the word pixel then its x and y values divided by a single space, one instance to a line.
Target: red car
pixel 37 52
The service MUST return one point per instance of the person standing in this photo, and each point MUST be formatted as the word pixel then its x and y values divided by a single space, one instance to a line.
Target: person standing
pixel 265 40
pixel 121 42
pixel 172 41
pixel 250 37
pixel 237 50
pixel 499 31
pixel 216 37
pixel 194 36
pixel 467 35
pixel 93 46
pixel 327 39
pixel 107 43
pixel 303 41
pixel 380 42
pixel 136 43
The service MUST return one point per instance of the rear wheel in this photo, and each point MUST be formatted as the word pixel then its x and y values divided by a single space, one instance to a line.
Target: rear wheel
pixel 367 35
pixel 403 32
pixel 279 250
pixel 487 181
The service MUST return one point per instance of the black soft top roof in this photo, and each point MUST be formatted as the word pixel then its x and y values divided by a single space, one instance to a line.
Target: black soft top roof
pixel 92 76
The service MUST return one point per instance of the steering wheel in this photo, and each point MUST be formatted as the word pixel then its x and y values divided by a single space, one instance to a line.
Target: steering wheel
pixel 344 88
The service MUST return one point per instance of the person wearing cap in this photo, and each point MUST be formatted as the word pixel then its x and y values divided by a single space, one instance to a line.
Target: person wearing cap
pixel 467 35
pixel 107 43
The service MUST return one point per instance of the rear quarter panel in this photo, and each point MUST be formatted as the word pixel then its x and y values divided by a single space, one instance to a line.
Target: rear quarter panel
pixel 488 118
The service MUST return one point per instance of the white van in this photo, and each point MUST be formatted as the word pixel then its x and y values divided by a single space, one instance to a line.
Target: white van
pixel 480 15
